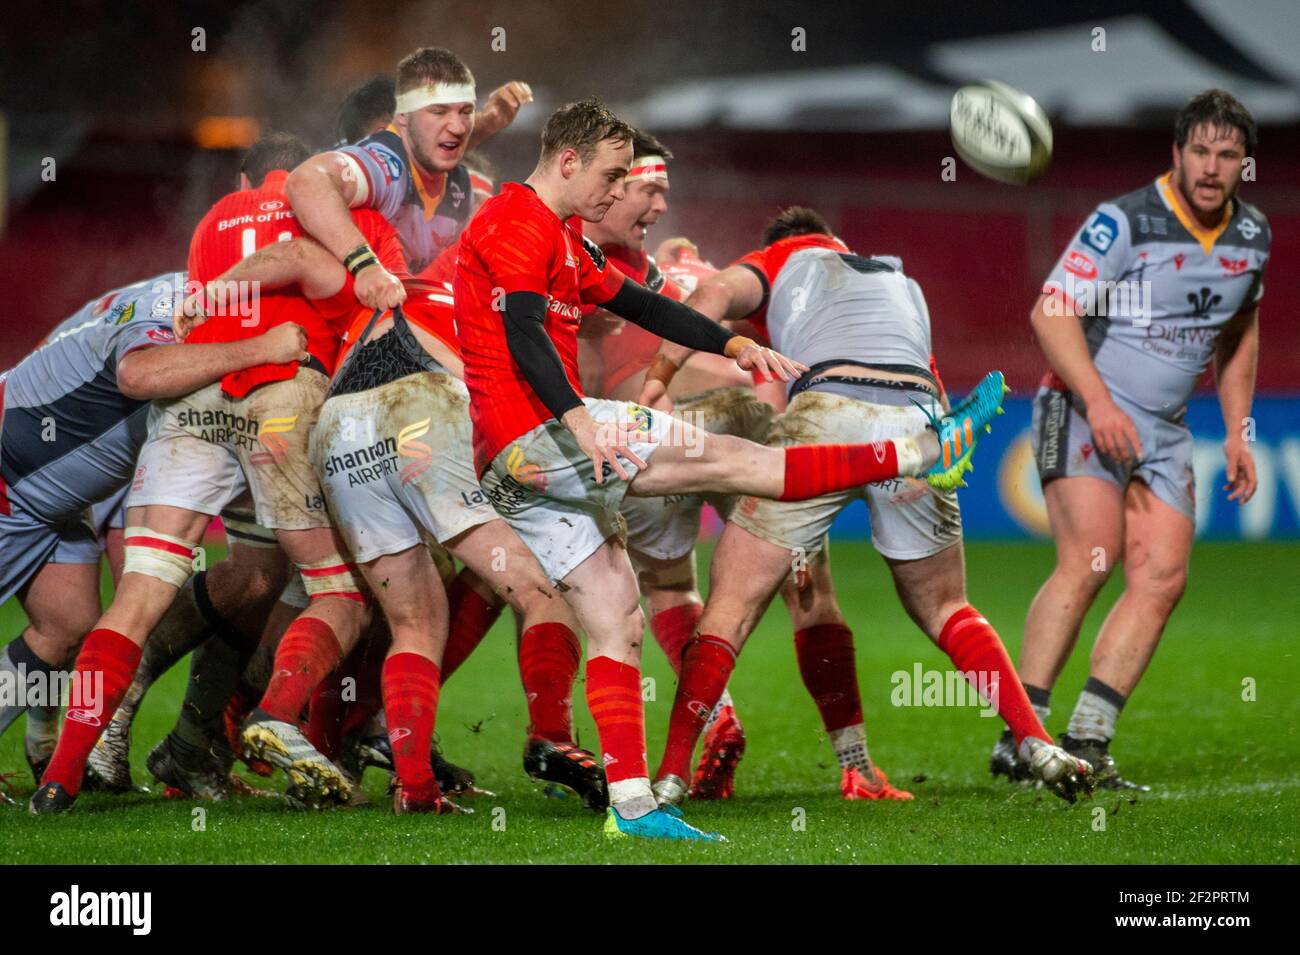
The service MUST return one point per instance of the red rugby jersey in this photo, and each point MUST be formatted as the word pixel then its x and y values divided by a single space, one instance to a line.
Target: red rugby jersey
pixel 237 226
pixel 515 243
pixel 428 305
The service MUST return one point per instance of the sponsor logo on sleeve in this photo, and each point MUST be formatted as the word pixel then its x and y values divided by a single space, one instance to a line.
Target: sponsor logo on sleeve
pixel 1248 228
pixel 1076 263
pixel 387 162
pixel 163 336
pixel 1100 231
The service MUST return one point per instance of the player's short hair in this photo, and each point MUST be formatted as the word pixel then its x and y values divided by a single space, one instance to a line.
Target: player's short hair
pixel 582 126
pixel 643 144
pixel 474 161
pixel 795 220
pixel 365 107
pixel 431 64
pixel 1221 111
pixel 273 151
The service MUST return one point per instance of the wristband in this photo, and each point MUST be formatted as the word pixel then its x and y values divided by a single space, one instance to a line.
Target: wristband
pixel 359 258
pixel 736 344
pixel 662 369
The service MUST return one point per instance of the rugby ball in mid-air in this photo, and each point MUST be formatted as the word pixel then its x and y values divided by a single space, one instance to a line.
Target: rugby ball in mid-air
pixel 1000 132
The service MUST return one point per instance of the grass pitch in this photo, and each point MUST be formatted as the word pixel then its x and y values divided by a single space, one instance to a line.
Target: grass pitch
pixel 1226 771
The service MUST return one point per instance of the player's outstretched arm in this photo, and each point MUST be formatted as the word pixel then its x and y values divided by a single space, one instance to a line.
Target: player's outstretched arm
pixel 679 323
pixel 730 295
pixel 301 262
pixel 502 107
pixel 1236 355
pixel 169 372
pixel 1060 335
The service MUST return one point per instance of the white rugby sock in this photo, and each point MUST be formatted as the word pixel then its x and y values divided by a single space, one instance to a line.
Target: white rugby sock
pixel 632 798
pixel 851 747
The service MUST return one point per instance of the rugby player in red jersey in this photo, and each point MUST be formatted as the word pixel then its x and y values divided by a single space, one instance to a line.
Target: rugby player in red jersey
pixel 250 429
pixel 711 391
pixel 863 329
pixel 548 459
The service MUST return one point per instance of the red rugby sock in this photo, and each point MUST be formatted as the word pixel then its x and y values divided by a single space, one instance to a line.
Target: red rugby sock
pixel 614 698
pixel 828 666
pixel 975 647
pixel 706 669
pixel 673 629
pixel 325 716
pixel 472 616
pixel 307 653
pixel 812 470
pixel 106 655
pixel 549 654
pixel 411 684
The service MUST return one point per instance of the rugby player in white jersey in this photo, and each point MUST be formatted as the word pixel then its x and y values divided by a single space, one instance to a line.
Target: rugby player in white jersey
pixel 1156 287
pixel 863 329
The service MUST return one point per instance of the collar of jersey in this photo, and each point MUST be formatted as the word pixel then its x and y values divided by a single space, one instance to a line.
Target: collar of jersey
pixel 515 186
pixel 274 180
pixel 1206 237
pixel 427 201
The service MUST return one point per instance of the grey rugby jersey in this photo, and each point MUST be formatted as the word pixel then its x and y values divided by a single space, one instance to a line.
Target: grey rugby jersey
pixel 1155 290
pixel 68 436
pixel 826 306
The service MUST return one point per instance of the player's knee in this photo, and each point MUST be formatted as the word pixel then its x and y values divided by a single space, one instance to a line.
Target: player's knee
pixel 1162 586
pixel 161 556
pixel 248 583
pixel 1086 573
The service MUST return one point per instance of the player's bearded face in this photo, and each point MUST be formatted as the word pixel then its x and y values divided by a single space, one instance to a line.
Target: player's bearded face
pixel 592 187
pixel 438 134
pixel 645 201
pixel 1207 170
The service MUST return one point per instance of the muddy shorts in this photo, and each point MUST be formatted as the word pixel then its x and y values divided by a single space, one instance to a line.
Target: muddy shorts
pixel 397 464
pixel 909 519
pixel 545 487
pixel 666 528
pixel 204 447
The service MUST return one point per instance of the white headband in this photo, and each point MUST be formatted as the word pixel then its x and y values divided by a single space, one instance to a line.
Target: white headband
pixel 435 94
pixel 647 167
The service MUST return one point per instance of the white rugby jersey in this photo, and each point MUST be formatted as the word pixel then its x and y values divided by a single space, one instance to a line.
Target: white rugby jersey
pixel 1154 289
